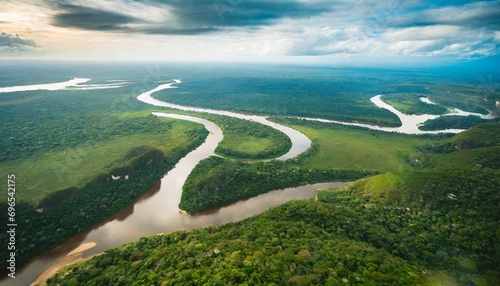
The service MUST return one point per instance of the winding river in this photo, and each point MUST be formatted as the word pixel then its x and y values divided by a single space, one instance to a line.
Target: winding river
pixel 157 210
pixel 300 142
pixel 46 86
pixel 409 123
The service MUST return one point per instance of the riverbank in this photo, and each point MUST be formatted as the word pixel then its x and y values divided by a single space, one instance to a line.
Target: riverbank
pixel 409 123
pixel 72 257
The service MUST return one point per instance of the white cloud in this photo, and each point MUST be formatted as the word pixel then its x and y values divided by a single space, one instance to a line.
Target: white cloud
pixel 424 33
pixel 350 30
pixel 497 36
pixel 440 40
pixel 409 48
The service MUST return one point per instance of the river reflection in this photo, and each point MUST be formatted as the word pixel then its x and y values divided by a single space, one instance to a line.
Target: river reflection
pixel 127 211
pixel 260 203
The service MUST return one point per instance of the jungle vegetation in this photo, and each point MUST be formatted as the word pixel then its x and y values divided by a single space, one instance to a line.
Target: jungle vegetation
pixel 421 226
pixel 410 103
pixel 344 237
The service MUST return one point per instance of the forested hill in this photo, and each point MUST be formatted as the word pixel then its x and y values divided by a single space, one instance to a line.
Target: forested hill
pixel 483 135
pixel 433 225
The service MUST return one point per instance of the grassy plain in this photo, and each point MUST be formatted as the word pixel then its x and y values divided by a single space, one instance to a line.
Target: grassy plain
pixel 410 103
pixel 47 172
pixel 477 158
pixel 250 145
pixel 346 147
pixel 248 140
pixel 242 139
pixel 479 146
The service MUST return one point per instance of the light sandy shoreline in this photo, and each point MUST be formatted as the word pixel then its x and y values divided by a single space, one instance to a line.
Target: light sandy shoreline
pixel 82 248
pixel 74 256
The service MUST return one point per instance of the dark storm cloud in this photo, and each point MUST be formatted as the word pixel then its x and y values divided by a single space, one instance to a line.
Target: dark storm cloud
pixel 165 30
pixel 86 18
pixel 199 17
pixel 187 17
pixel 474 15
pixel 14 43
pixel 243 12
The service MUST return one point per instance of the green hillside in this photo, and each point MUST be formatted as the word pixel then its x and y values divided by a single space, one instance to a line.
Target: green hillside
pixel 483 135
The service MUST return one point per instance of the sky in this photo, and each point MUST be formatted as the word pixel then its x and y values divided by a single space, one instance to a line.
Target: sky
pixel 332 32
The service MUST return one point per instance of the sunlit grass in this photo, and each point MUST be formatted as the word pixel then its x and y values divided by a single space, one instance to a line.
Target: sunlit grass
pixel 44 173
pixel 248 144
pixel 238 135
pixel 351 148
pixel 411 104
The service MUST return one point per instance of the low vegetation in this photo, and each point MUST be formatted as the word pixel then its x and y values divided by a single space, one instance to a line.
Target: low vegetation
pixel 44 173
pixel 410 103
pixel 350 147
pixel 244 139
pixel 483 135
pixel 480 148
